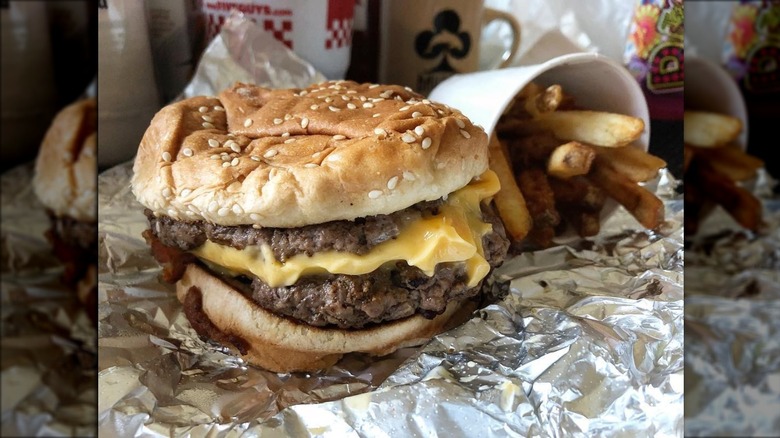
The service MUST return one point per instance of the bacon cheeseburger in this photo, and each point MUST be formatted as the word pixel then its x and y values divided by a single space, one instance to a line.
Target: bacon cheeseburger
pixel 303 224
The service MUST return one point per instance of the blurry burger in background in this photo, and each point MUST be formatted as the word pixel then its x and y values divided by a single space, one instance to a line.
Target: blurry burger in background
pixel 303 224
pixel 64 182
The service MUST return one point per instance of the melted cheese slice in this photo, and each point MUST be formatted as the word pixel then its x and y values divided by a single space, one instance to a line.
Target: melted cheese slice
pixel 453 235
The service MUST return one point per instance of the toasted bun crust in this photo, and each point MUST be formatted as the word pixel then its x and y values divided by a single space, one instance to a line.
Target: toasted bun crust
pixel 66 166
pixel 281 345
pixel 288 158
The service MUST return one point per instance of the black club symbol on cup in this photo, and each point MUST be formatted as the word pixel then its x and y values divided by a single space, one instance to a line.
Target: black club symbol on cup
pixel 445 40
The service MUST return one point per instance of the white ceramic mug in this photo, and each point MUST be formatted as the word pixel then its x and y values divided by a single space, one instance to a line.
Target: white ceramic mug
pixel 319 31
pixel 423 42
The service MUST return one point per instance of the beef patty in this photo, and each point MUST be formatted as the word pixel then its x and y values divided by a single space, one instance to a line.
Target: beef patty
pixel 346 301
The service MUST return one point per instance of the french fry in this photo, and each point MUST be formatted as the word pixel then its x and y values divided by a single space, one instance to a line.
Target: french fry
pixel 585 223
pixel 635 163
pixel 532 150
pixel 539 197
pixel 544 101
pixel 710 130
pixel 693 206
pixel 641 203
pixel 578 192
pixel 598 128
pixel 688 153
pixel 745 208
pixel 732 162
pixel 570 159
pixel 510 201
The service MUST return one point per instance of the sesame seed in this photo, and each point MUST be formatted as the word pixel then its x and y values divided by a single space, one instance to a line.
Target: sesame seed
pixel 255 226
pixel 416 114
pixel 403 108
pixel 328 100
pixel 407 138
pixel 203 109
pixel 314 107
pixel 187 152
pixel 213 206
pixel 270 153
pixel 373 194
pixel 441 112
pixel 465 133
pixel 419 130
pixel 166 156
pixel 409 176
pixel 254 216
pixel 460 123
pixel 207 119
pixel 386 94
pixel 304 122
pixel 372 86
pixel 392 182
pixel 376 115
pixel 186 192
pixel 368 105
pixel 310 165
pixel 247 123
pixel 237 209
pixel 363 98
pixel 339 137
pixel 426 101
pixel 426 143
pixel 235 147
pixel 334 109
pixel 219 108
pixel 351 92
pixel 166 192
pixel 303 93
pixel 333 157
pixel 277 121
pixel 285 135
pixel 289 140
pixel 380 132
pixel 213 143
pixel 377 99
pixel 408 89
pixel 223 211
pixel 254 158
pixel 234 162
pixel 351 105
pixel 226 164
pixel 207 125
pixel 345 98
pixel 214 157
pixel 287 117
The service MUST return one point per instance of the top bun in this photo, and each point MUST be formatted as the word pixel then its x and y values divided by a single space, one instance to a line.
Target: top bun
pixel 66 166
pixel 293 157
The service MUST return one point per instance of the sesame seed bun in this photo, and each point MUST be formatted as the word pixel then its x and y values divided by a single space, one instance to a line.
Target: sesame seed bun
pixel 282 345
pixel 288 158
pixel 66 167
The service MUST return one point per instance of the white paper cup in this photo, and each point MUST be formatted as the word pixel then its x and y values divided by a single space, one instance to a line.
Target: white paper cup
pixel 595 81
pixel 711 88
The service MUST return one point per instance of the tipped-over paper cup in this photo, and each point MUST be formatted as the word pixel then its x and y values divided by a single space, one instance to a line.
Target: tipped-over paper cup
pixel 711 88
pixel 595 81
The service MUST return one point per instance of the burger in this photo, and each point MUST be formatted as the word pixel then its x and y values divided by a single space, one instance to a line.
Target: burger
pixel 64 181
pixel 299 225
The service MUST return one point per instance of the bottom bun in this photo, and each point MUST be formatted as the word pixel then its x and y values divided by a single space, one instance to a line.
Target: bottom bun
pixel 218 311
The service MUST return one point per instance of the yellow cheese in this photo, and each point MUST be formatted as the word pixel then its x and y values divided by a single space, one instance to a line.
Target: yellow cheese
pixel 453 235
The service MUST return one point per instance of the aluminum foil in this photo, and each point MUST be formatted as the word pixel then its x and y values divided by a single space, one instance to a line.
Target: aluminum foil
pixel 49 362
pixel 732 321
pixel 580 340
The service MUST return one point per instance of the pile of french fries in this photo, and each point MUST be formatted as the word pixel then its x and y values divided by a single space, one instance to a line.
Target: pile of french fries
pixel 558 165
pixel 714 167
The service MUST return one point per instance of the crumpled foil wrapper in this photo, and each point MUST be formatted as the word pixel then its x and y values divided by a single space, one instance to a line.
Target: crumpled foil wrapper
pixel 732 325
pixel 581 340
pixel 49 362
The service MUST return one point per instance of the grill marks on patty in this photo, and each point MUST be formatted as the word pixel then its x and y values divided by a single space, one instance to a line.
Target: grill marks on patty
pixel 345 301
